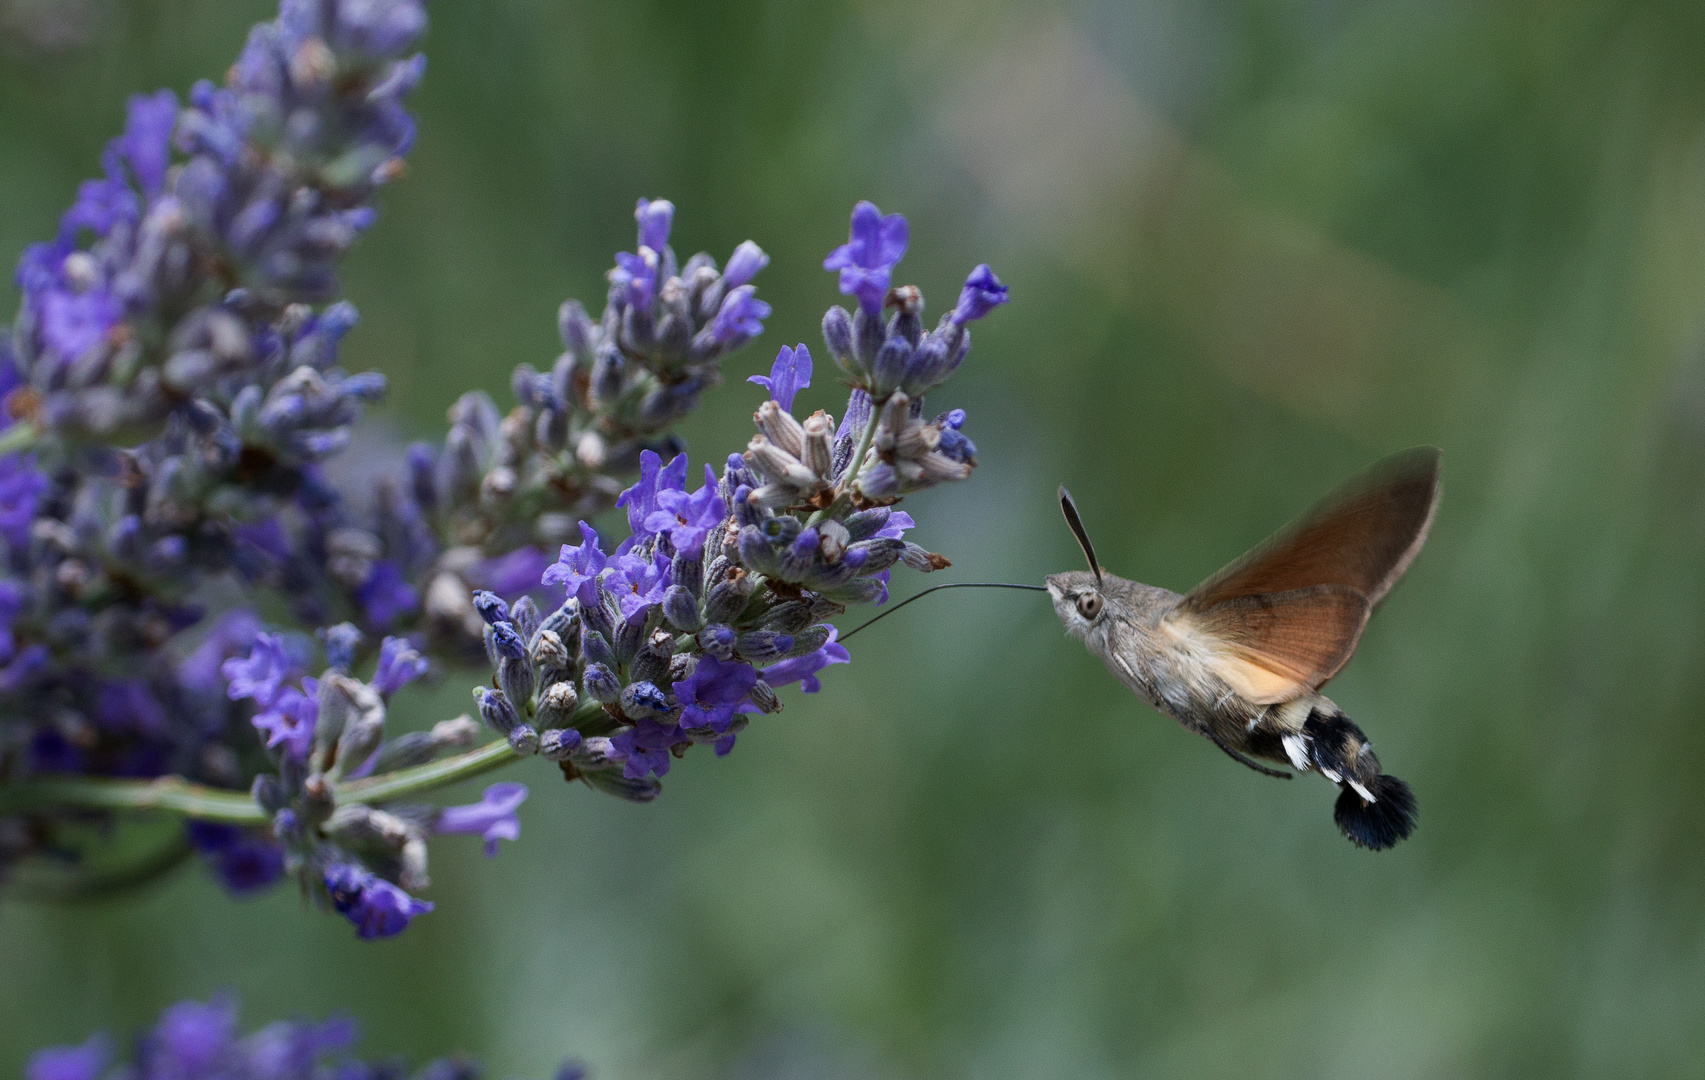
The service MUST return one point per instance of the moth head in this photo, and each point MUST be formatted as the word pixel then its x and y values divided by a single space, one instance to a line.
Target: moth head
pixel 1077 595
pixel 1077 600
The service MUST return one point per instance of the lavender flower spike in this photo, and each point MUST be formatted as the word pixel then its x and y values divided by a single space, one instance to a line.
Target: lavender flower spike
pixel 493 817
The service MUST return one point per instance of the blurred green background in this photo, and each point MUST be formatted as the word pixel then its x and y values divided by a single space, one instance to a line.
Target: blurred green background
pixel 1252 245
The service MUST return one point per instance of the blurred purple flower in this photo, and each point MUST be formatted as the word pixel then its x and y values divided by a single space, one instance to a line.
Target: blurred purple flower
pixel 493 817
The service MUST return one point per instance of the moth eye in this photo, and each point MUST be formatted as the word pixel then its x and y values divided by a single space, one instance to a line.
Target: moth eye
pixel 1089 605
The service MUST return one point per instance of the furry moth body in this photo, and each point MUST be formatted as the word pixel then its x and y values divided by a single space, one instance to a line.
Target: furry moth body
pixel 1242 657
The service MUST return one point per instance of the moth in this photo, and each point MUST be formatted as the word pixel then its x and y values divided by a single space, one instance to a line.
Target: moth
pixel 1242 657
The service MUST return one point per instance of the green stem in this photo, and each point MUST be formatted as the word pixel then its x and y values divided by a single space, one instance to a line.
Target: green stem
pixel 853 467
pixel 174 795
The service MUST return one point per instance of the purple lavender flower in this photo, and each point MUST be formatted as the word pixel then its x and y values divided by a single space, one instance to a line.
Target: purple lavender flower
pixel 983 292
pixel 709 696
pixel 804 669
pixel 577 568
pixel 635 277
pixel 191 1037
pixel 260 676
pixel 376 907
pixel 399 665
pixel 688 519
pixel 493 817
pixel 867 259
pixel 85 1062
pixel 289 719
pixel 386 595
pixel 21 487
pixel 644 748
pixel 641 499
pixel 637 583
pixel 129 706
pixel 790 374
pixel 245 863
pixel 517 572
pixel 740 318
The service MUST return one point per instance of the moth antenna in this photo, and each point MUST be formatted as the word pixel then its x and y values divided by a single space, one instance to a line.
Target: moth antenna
pixel 938 588
pixel 1076 523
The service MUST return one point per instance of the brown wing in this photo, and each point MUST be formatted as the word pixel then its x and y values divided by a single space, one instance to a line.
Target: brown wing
pixel 1284 618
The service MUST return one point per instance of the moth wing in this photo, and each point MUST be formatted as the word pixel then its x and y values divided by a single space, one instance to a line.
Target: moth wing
pixel 1364 535
pixel 1284 618
pixel 1273 647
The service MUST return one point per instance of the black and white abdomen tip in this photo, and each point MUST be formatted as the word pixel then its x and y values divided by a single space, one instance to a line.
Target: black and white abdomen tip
pixel 1379 824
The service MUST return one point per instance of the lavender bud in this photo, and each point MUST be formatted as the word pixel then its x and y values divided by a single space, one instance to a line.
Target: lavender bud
pixel 779 426
pixel 608 371
pixel 491 607
pixel 523 739
pixel 651 662
pixel 558 744
pixel 507 643
pixel 614 782
pixel 515 676
pixel 557 704
pixel 755 554
pixel 718 641
pixel 874 556
pixel 922 560
pixel 594 753
pixel 786 617
pixel 838 334
pixel 764 697
pixel 549 653
pixel 496 710
pixel 764 646
pixel 867 337
pixel 643 699
pixel 888 370
pixel 681 609
pixel 340 642
pixel 268 793
pixel 457 734
pixel 602 684
pixel 689 573
pixel 629 637
pixel 728 599
pixel 564 622
pixel 681 667
pixel 405 751
pixel 525 616
pixel 597 650
pixel 809 640
pixel 819 438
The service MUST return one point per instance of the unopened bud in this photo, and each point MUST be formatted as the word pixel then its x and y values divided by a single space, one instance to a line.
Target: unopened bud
pixel 602 684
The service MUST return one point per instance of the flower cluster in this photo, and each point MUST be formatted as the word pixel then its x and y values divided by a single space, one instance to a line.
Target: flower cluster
pixel 172 398
pixel 196 1040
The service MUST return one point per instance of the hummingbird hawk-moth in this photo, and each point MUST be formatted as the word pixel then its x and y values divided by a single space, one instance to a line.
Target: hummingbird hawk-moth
pixel 1242 657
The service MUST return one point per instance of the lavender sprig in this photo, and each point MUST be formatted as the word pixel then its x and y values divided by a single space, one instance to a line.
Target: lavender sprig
pixel 221 354
pixel 196 1040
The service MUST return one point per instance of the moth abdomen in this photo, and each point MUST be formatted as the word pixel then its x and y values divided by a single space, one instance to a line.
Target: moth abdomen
pixel 1374 810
